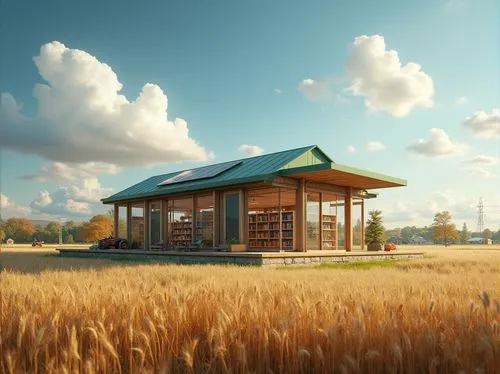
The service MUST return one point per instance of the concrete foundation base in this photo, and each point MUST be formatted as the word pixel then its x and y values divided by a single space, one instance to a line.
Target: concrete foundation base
pixel 244 258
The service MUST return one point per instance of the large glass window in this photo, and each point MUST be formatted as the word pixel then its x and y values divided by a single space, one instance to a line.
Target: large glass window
pixel 122 222
pixel 232 215
pixel 271 220
pixel 155 225
pixel 180 222
pixel 313 221
pixel 328 221
pixel 205 220
pixel 264 218
pixel 137 226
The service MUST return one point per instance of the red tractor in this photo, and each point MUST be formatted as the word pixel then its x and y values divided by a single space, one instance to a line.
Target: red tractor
pixel 112 243
pixel 37 243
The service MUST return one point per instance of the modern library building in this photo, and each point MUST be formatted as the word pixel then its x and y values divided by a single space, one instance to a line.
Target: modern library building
pixel 293 200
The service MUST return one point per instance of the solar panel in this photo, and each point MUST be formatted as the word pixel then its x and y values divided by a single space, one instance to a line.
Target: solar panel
pixel 200 173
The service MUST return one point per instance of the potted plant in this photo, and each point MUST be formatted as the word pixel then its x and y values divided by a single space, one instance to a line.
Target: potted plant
pixel 235 245
pixel 375 232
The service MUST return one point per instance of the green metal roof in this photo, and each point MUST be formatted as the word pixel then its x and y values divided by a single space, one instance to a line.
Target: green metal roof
pixel 250 170
pixel 344 169
pixel 253 169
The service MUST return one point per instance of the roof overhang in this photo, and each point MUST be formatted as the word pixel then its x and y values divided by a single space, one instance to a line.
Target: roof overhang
pixel 342 175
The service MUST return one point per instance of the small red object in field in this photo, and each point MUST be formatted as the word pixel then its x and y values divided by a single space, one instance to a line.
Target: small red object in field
pixel 390 247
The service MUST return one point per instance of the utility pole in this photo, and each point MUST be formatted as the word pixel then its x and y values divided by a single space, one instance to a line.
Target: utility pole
pixel 480 216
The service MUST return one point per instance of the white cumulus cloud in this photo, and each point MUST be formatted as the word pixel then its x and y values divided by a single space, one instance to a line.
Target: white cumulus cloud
pixel 59 204
pixel 66 172
pixel 77 199
pixel 462 100
pixel 251 150
pixel 10 209
pixel 374 145
pixel 44 199
pixel 378 75
pixel 82 117
pixel 89 191
pixel 439 144
pixel 483 124
pixel 315 89
pixel 351 149
pixel 4 200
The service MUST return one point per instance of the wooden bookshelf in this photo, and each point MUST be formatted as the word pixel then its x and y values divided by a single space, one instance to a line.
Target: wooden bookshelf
pixel 328 231
pixel 264 230
pixel 204 226
pixel 182 233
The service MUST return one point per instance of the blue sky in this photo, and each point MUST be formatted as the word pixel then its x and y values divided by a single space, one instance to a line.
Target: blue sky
pixel 260 73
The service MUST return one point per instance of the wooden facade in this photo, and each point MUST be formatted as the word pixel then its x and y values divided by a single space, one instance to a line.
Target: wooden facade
pixel 300 189
pixel 291 200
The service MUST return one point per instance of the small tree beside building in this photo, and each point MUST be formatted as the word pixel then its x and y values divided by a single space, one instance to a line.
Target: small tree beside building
pixel 464 234
pixel 443 229
pixel 375 231
pixel 99 227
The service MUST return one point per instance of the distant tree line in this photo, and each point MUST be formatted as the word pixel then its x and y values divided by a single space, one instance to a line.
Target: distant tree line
pixel 22 230
pixel 442 231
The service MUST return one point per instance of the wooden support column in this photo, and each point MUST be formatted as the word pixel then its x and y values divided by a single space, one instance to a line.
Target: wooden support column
pixel 222 222
pixel 280 220
pixel 244 220
pixel 320 221
pixel 147 225
pixel 129 224
pixel 241 209
pixel 116 220
pixel 164 222
pixel 216 218
pixel 362 223
pixel 300 230
pixel 348 220
pixel 193 218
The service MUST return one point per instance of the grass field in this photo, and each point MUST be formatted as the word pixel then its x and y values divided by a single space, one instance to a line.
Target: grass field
pixel 440 314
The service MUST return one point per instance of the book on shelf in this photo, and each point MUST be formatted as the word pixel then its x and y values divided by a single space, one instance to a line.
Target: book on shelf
pixel 182 232
pixel 329 231
pixel 268 229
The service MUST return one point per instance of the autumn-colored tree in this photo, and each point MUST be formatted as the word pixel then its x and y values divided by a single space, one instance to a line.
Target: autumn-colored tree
pixel 2 234
pixel 443 229
pixel 487 234
pixel 19 229
pixel 99 227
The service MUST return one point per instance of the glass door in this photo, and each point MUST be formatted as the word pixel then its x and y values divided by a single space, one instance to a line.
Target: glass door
pixel 232 216
pixel 313 221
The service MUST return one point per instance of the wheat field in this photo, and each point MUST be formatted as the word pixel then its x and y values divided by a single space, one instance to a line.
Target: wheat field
pixel 440 314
